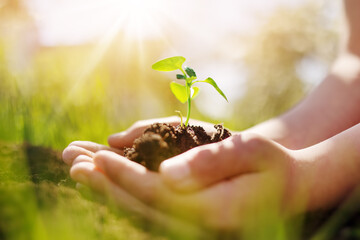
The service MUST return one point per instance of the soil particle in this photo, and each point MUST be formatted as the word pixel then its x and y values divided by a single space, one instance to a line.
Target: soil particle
pixel 162 141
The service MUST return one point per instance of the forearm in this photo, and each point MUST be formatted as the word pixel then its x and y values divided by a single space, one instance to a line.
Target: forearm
pixel 333 106
pixel 329 109
pixel 327 172
pixel 352 8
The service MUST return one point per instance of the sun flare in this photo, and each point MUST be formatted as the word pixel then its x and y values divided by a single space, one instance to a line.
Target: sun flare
pixel 140 18
pixel 135 20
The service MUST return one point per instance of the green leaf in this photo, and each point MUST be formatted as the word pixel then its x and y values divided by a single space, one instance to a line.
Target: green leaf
pixel 180 76
pixel 169 64
pixel 179 91
pixel 190 72
pixel 213 83
pixel 195 93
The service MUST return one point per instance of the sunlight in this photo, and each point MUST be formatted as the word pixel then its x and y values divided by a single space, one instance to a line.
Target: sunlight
pixel 69 22
pixel 135 21
pixel 140 16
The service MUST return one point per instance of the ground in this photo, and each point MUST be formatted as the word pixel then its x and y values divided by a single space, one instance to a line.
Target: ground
pixel 39 201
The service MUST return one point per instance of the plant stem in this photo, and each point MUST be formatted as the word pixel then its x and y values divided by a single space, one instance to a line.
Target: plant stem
pixel 181 119
pixel 184 73
pixel 188 92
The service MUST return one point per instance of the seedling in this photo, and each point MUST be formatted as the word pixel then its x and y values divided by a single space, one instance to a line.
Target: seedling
pixel 184 93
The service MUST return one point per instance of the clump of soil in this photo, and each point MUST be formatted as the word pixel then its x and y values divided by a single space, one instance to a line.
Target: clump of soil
pixel 161 141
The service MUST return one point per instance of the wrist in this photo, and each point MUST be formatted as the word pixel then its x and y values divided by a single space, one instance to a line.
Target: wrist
pixel 300 175
pixel 275 130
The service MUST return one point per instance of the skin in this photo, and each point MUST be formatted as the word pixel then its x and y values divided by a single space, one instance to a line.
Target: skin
pixel 305 159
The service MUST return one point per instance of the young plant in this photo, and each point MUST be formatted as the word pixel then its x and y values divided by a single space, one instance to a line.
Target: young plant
pixel 184 93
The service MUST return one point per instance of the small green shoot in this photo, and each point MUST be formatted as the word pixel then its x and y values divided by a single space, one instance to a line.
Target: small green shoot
pixel 184 93
pixel 181 118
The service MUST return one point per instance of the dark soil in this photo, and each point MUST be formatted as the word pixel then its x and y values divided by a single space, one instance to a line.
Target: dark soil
pixel 162 141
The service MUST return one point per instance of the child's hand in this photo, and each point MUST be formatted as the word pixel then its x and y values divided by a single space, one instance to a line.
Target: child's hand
pixel 116 141
pixel 238 155
pixel 230 183
pixel 123 139
pixel 233 183
pixel 78 151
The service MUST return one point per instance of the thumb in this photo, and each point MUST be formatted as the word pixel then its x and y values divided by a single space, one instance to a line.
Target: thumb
pixel 127 137
pixel 206 165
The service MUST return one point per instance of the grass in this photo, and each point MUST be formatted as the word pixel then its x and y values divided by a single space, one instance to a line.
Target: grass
pixel 39 201
pixel 48 105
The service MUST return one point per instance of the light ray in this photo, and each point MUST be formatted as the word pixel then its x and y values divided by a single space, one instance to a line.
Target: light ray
pixel 134 23
pixel 95 58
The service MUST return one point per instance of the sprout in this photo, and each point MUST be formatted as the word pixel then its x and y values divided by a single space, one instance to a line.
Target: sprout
pixel 184 93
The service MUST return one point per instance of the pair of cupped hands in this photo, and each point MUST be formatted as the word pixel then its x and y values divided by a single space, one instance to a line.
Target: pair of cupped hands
pixel 223 185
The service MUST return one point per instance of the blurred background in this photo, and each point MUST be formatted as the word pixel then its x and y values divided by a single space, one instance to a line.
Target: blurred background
pixel 81 69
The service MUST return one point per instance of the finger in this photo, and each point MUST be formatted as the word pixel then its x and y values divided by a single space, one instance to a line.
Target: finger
pixel 94 147
pixel 131 176
pixel 204 207
pixel 82 158
pixel 226 205
pixel 87 174
pixel 87 148
pixel 72 152
pixel 148 187
pixel 208 164
pixel 243 202
pixel 126 138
